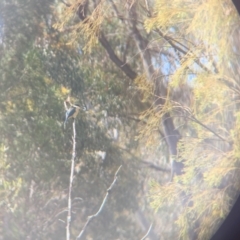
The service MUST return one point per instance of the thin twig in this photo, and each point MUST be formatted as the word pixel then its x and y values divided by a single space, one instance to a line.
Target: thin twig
pixel 208 128
pixel 70 183
pixel 154 166
pixel 149 229
pixel 102 205
pixel 194 119
pixel 66 4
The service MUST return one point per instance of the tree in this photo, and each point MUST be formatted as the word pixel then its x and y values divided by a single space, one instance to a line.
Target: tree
pixel 183 66
pixel 154 78
pixel 39 71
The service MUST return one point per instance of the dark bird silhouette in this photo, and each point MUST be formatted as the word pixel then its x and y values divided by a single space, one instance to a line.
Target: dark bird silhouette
pixel 72 112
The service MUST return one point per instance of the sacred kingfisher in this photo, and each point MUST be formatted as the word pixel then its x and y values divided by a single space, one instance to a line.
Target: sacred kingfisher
pixel 72 112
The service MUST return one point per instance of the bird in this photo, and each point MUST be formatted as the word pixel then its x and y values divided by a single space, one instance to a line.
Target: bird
pixel 72 112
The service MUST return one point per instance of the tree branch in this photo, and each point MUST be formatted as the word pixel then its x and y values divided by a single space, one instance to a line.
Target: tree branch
pixel 142 45
pixel 149 229
pixel 102 205
pixel 209 129
pixel 115 59
pixel 70 183
pixel 174 46
pixel 172 135
pixel 66 4
pixel 155 167
pixel 112 55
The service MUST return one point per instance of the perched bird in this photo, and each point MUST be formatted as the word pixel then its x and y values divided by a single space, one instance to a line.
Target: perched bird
pixel 71 113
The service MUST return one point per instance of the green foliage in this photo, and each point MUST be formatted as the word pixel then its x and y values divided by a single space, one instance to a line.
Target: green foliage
pixel 38 72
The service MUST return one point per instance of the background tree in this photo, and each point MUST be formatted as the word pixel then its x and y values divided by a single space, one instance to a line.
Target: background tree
pixel 38 74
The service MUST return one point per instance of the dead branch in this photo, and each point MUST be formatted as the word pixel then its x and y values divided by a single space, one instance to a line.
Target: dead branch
pixel 70 183
pixel 89 219
pixel 149 229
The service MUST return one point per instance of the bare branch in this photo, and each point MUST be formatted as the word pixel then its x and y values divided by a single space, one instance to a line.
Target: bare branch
pixel 70 183
pixel 154 166
pixel 149 229
pixel 116 11
pixel 66 4
pixel 146 3
pixel 115 59
pixel 123 115
pixel 209 129
pixel 102 205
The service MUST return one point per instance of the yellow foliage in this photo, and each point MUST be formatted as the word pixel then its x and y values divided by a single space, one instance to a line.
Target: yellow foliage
pixel 145 87
pixel 168 14
pixel 9 189
pixel 64 90
pixel 30 104
pixel 211 152
pixel 205 25
pixel 88 29
pixel 10 106
pixel 48 81
pixel 167 194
